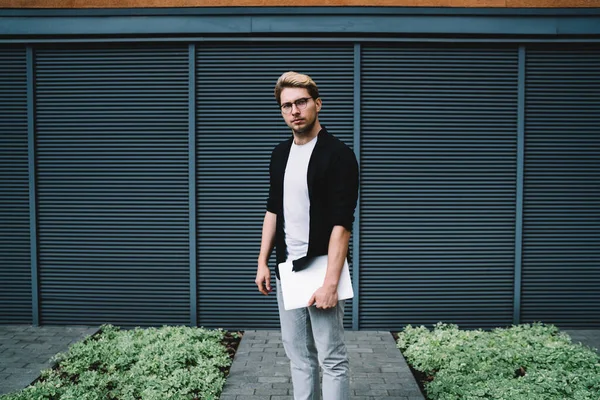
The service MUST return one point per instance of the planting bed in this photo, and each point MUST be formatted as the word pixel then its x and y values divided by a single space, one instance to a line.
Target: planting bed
pixel 523 362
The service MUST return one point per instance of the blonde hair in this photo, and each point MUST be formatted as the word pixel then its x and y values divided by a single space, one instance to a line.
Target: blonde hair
pixel 296 80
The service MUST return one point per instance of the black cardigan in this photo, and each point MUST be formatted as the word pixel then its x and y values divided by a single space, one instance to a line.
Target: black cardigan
pixel 332 180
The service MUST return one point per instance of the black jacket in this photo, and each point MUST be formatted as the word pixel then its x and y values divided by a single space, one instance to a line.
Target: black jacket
pixel 332 190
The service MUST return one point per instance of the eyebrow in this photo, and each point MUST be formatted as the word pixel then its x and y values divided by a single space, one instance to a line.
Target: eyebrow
pixel 299 98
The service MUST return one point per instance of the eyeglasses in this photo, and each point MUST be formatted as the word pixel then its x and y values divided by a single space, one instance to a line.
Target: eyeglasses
pixel 301 104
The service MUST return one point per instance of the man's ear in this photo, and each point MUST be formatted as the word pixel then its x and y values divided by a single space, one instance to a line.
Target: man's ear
pixel 319 103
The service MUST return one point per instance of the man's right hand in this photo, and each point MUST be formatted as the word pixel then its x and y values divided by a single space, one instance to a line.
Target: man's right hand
pixel 263 279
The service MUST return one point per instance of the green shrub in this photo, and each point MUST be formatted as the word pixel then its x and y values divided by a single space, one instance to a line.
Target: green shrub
pixel 150 364
pixel 525 362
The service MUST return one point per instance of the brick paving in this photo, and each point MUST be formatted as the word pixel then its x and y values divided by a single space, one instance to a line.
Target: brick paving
pixel 26 350
pixel 261 371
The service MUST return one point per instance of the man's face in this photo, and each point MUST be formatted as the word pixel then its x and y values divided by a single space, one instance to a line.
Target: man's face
pixel 300 120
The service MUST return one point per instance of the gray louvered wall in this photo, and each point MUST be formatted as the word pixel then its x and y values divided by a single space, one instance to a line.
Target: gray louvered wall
pixel 561 231
pixel 438 146
pixel 15 257
pixel 238 125
pixel 112 135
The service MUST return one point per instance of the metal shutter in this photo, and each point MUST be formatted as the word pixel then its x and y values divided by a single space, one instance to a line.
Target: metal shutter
pixel 112 135
pixel 438 146
pixel 238 126
pixel 561 248
pixel 15 257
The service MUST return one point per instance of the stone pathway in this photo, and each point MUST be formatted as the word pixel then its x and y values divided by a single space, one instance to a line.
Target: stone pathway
pixel 26 350
pixel 261 371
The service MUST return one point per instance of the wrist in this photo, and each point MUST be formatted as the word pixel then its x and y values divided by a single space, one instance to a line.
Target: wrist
pixel 332 286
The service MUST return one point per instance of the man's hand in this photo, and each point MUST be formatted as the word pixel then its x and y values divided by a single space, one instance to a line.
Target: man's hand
pixel 263 279
pixel 325 297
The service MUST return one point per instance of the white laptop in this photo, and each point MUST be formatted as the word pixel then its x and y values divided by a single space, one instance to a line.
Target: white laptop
pixel 298 287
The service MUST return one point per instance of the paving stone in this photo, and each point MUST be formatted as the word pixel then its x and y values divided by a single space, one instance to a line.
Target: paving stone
pixel 273 379
pixel 416 394
pixel 389 386
pixel 278 350
pixel 260 345
pixel 255 356
pixel 283 386
pixel 257 385
pixel 587 337
pixel 36 366
pixel 397 379
pixel 371 392
pixel 369 381
pixel 272 392
pixel 13 370
pixel 26 350
pixel 240 391
pixel 237 380
pixel 390 397
pixel 369 353
pixel 392 369
pixel 360 350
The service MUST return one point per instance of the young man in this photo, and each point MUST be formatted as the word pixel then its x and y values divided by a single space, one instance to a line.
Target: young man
pixel 310 211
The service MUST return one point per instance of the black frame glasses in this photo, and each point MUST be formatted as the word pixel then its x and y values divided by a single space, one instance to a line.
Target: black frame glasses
pixel 300 104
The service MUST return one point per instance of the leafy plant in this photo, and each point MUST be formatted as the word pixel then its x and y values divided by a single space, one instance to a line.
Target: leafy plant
pixel 172 362
pixel 523 362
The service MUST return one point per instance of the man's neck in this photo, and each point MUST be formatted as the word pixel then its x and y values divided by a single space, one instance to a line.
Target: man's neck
pixel 307 137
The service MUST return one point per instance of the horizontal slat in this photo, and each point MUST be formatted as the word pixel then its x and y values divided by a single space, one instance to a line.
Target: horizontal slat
pixel 561 237
pixel 15 256
pixel 438 186
pixel 113 185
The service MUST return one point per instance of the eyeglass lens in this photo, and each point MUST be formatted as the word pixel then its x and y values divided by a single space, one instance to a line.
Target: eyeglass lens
pixel 300 104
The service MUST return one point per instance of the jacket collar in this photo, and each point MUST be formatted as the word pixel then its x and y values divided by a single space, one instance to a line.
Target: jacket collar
pixel 322 140
pixel 316 154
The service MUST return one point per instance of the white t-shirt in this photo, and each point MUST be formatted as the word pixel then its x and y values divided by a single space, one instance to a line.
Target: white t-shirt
pixel 296 204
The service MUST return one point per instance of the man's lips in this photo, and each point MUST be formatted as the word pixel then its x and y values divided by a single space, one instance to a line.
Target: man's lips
pixel 297 121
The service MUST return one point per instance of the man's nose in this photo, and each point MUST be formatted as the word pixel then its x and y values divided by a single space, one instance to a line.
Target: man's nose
pixel 295 109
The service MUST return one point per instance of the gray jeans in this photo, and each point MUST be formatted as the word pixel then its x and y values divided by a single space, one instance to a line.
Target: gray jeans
pixel 312 336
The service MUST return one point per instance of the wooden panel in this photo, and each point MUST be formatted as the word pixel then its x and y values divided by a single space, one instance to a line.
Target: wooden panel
pixel 301 3
pixel 478 3
pixel 553 3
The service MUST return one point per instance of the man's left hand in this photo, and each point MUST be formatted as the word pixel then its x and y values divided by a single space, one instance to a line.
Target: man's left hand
pixel 324 298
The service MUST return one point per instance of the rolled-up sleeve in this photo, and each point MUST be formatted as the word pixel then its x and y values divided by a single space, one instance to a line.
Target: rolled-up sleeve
pixel 343 188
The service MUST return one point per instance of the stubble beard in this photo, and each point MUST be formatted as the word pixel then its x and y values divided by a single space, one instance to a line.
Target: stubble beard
pixel 307 128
